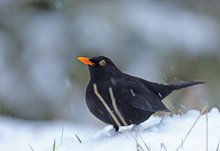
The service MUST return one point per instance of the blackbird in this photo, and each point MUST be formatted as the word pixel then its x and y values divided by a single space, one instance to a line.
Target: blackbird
pixel 135 99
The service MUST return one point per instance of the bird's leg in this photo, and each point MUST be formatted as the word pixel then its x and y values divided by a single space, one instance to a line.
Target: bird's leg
pixel 116 128
pixel 135 127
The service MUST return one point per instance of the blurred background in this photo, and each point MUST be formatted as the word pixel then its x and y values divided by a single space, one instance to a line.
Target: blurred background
pixel 162 41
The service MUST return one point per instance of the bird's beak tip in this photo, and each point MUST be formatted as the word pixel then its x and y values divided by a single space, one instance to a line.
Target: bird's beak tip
pixel 80 58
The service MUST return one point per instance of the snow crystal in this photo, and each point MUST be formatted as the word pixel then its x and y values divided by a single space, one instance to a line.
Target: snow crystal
pixel 132 92
pixel 160 95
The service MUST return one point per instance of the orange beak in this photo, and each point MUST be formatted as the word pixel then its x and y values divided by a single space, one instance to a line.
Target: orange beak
pixel 86 61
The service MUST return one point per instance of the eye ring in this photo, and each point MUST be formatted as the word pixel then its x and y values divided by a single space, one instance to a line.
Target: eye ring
pixel 102 63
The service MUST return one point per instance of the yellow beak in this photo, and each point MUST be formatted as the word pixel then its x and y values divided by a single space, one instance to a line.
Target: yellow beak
pixel 86 61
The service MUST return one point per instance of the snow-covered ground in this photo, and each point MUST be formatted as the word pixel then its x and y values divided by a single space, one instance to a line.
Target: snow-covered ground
pixel 153 135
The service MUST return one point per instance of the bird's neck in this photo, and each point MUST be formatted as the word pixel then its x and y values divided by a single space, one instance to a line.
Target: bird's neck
pixel 99 75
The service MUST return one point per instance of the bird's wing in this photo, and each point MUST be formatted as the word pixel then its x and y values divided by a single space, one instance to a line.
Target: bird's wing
pixel 148 105
pixel 161 90
pixel 140 97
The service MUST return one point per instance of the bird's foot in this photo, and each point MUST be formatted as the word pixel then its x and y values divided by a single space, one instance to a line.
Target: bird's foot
pixel 116 128
pixel 108 131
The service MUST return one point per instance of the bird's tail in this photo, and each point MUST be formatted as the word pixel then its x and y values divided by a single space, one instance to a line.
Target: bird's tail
pixel 184 84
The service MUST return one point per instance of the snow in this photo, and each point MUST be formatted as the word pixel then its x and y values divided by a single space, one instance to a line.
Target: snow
pixel 158 133
pixel 132 92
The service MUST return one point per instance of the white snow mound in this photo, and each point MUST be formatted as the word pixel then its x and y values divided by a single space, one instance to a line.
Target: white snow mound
pixel 166 133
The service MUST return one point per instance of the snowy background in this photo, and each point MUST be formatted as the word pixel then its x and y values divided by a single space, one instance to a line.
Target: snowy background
pixel 42 85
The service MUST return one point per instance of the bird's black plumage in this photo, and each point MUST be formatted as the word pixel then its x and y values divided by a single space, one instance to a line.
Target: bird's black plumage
pixel 136 98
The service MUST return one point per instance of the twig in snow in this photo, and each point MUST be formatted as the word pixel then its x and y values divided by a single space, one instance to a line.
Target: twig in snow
pixel 138 146
pixel 54 145
pixel 61 139
pixel 207 126
pixel 31 148
pixel 163 146
pixel 184 139
pixel 217 149
pixel 78 138
pixel 145 143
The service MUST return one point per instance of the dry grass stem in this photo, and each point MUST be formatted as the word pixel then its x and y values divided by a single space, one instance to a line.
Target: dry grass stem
pixel 61 139
pixel 207 126
pixel 162 146
pixel 78 138
pixel 54 145
pixel 116 108
pixel 184 139
pixel 105 105
pixel 217 148
pixel 148 148
pixel 31 148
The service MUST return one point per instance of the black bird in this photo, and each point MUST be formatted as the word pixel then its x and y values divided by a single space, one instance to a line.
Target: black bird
pixel 136 99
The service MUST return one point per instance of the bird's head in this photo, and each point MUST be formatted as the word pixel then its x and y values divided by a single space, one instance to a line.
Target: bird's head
pixel 99 66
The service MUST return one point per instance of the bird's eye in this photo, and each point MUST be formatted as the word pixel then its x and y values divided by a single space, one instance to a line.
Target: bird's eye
pixel 102 63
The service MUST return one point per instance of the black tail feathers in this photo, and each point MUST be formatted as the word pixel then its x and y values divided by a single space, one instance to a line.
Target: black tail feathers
pixel 184 84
